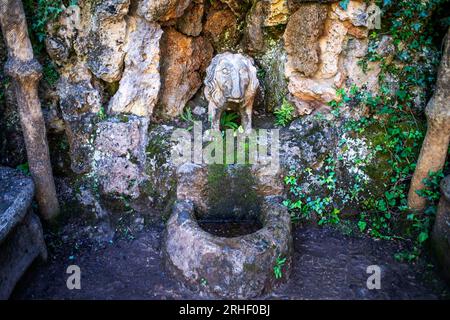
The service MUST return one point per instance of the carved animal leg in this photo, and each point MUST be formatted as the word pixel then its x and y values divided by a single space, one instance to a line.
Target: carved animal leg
pixel 246 117
pixel 214 116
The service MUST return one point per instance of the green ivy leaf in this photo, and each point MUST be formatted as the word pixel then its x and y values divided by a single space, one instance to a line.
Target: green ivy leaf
pixel 362 225
pixel 423 236
pixel 344 4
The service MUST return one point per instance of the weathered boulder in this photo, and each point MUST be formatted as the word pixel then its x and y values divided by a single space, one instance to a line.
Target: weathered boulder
pixel 441 229
pixel 303 30
pixel 267 13
pixel 238 267
pixel 331 46
pixel 253 38
pixel 191 23
pixel 162 10
pixel 277 12
pixel 139 87
pixel 79 101
pixel 319 61
pixel 192 181
pixel 274 82
pixel 239 7
pixel 159 166
pixel 185 60
pixel 355 13
pixel 354 52
pixel 222 29
pixel 106 39
pixel 119 156
pixel 62 33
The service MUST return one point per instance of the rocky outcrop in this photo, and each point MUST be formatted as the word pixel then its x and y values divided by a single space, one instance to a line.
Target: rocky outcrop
pixel 62 34
pixel 139 87
pixel 316 39
pixel 162 10
pixel 106 39
pixel 238 7
pixel 79 101
pixel 119 157
pixel 301 39
pixel 191 23
pixel 221 28
pixel 185 60
pixel 277 12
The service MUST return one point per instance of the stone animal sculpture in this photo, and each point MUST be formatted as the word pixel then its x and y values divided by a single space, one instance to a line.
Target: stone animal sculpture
pixel 231 84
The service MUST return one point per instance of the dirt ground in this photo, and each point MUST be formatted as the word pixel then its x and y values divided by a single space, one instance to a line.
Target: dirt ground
pixel 327 265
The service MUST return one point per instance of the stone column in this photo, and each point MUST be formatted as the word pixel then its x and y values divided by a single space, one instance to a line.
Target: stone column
pixel 441 231
pixel 434 149
pixel 25 72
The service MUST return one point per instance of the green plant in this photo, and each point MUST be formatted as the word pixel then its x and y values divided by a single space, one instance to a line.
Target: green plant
pixel 50 73
pixel 344 4
pixel 228 120
pixel 39 13
pixel 101 114
pixel 278 267
pixel 284 114
pixel 186 116
pixel 24 168
pixel 303 206
pixel 43 11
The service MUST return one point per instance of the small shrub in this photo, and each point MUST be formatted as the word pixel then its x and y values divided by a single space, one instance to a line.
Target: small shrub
pixel 284 114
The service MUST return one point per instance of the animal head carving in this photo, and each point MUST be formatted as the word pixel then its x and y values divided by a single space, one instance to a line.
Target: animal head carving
pixel 230 78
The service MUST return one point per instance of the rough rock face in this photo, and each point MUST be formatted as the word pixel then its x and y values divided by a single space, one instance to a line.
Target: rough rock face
pixel 99 41
pixel 239 267
pixel 62 34
pixel 124 57
pixel 79 102
pixel 140 84
pixel 356 49
pixel 277 12
pixel 316 39
pixel 191 23
pixel 106 39
pixel 221 28
pixel 253 38
pixel 301 38
pixel 239 7
pixel 192 180
pixel 185 60
pixel 159 167
pixel 274 82
pixel 119 156
pixel 441 230
pixel 268 13
pixel 162 10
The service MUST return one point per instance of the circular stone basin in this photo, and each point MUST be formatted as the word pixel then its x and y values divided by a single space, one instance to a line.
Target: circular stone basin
pixel 231 267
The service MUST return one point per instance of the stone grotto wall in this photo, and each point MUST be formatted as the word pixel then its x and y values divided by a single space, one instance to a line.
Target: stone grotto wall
pixel 129 68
